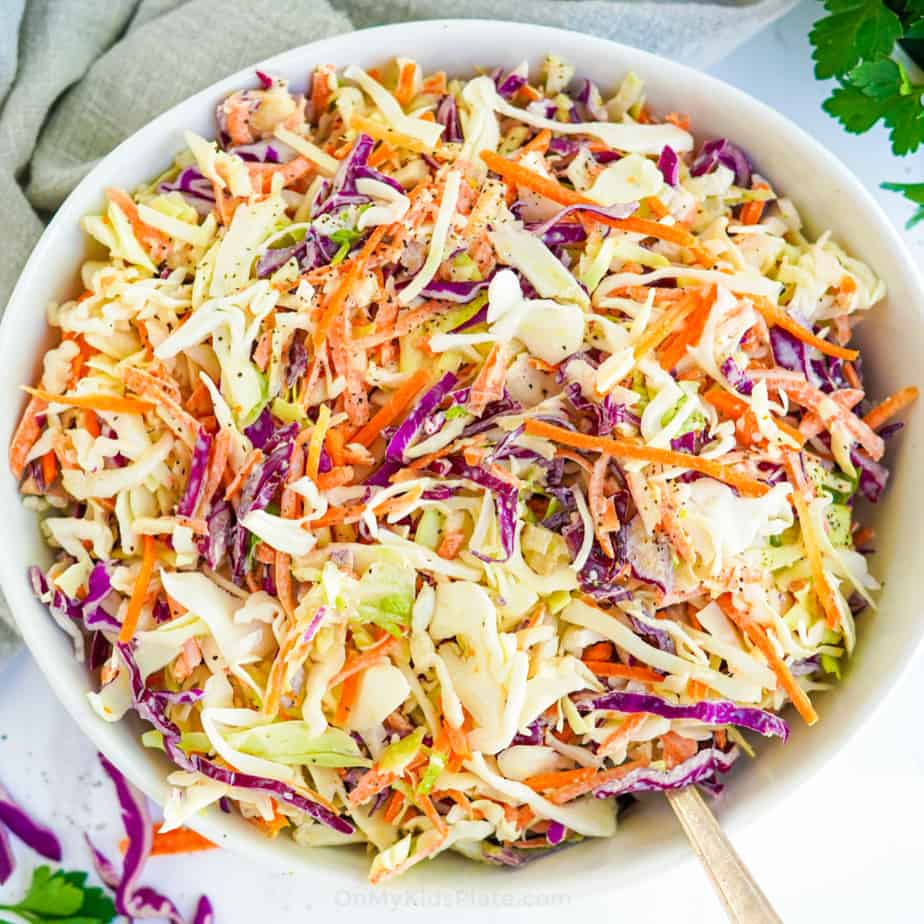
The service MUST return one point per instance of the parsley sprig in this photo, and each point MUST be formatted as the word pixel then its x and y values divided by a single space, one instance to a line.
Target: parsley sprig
pixel 854 43
pixel 62 897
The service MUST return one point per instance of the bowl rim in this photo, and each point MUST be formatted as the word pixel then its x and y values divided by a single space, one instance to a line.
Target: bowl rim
pixel 241 838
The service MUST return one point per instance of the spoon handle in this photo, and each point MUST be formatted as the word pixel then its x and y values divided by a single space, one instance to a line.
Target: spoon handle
pixel 744 902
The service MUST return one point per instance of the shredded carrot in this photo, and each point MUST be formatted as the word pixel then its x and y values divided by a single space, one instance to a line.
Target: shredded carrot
pixel 677 749
pixel 696 689
pixel 557 779
pixel 862 536
pixel 674 348
pixel 892 405
pixel 623 671
pixel 777 316
pixel 736 409
pixel 115 404
pixel 434 84
pixel 458 740
pixel 489 383
pixel 370 784
pixel 381 132
pixel 632 450
pixel 538 144
pixel 404 89
pixel 49 467
pixel 758 637
pixel 274 826
pixel 451 544
pixel 751 212
pixel 429 809
pixel 337 301
pixel 393 807
pixel 348 692
pixel 672 317
pixel 599 651
pixel 26 435
pixel 595 781
pixel 320 92
pixel 358 663
pixel 90 423
pixel 516 174
pixel 236 483
pixel 656 207
pixel 392 409
pixel 179 840
pixel 801 493
pixel 619 735
pixel 139 591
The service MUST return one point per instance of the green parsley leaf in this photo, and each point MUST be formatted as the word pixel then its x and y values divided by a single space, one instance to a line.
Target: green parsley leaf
pixel 855 31
pixel 878 90
pixel 62 897
pixel 913 192
pixel 853 109
pixel 880 79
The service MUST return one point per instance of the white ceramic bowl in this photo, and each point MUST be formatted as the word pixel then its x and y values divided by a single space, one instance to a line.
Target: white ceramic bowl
pixel 893 341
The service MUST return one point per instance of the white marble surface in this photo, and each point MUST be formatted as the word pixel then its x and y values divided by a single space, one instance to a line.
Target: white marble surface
pixel 844 846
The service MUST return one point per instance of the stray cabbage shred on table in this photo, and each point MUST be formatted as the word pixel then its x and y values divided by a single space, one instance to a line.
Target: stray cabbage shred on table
pixel 434 463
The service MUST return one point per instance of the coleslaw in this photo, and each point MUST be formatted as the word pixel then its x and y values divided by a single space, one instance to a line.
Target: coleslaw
pixel 433 464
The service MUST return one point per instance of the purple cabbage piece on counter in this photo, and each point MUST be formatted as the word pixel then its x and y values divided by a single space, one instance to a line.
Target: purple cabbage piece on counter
pixel 33 834
pixel 702 768
pixel 711 711
pixel 133 900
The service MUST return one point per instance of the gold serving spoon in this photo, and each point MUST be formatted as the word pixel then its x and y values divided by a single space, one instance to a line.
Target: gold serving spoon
pixel 741 896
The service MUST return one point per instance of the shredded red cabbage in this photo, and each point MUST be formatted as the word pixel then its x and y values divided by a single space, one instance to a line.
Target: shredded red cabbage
pixel 712 711
pixel 669 165
pixel 197 469
pixel 555 833
pixel 447 114
pixel 702 768
pixel 506 497
pixel 722 151
pixel 613 211
pixel 454 291
pixel 737 377
pixel 507 85
pixel 412 424
pixel 196 189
